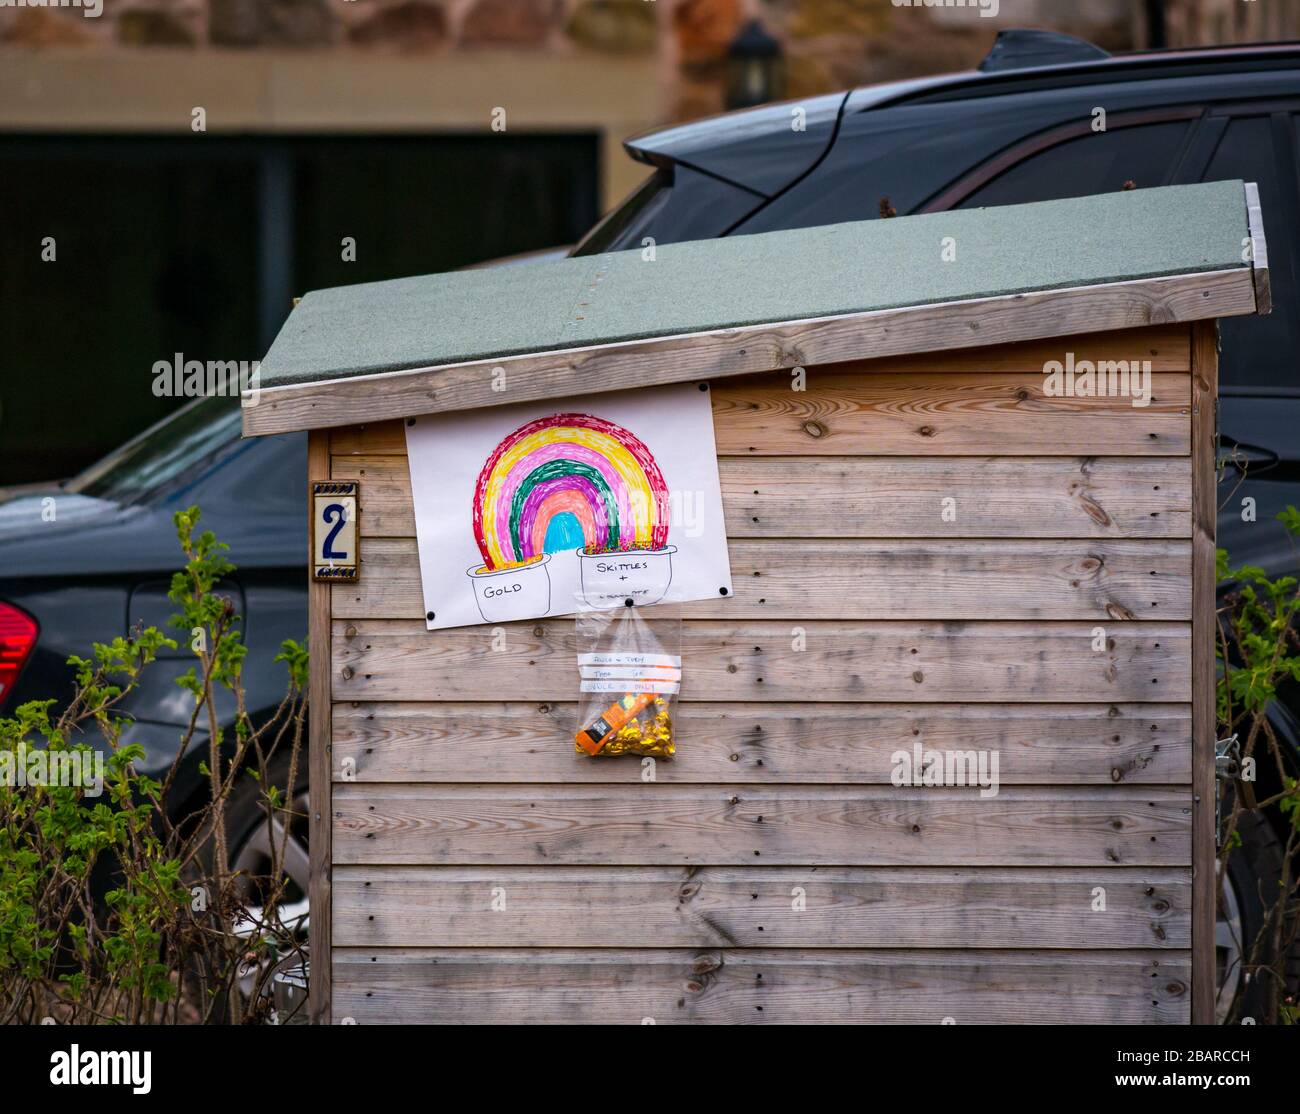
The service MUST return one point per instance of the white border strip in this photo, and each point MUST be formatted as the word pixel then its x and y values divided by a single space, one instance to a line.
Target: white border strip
pixel 1258 250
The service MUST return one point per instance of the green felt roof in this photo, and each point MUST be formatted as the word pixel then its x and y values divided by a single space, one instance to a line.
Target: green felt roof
pixel 749 280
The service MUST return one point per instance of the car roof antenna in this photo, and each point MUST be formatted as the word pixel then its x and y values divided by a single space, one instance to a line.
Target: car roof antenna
pixel 1020 48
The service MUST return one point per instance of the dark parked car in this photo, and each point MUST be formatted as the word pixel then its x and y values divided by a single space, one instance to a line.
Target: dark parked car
pixel 1044 117
pixel 88 559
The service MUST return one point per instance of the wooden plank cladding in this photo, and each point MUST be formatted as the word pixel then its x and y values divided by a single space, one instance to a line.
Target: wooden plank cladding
pixel 839 578
pixel 942 413
pixel 1057 744
pixel 842 412
pixel 773 907
pixel 755 986
pixel 978 662
pixel 1005 497
pixel 893 415
pixel 923 548
pixel 636 824
pixel 868 497
pixel 974 402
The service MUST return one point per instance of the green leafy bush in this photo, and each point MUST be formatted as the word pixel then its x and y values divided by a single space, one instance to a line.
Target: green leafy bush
pixel 174 937
pixel 1258 655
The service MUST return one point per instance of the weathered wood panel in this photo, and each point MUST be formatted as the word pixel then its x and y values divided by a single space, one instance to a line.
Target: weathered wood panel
pixel 774 907
pixel 1099 579
pixel 659 825
pixel 385 507
pixel 840 744
pixel 1168 347
pixel 318 747
pixel 461 781
pixel 369 439
pixel 1205 378
pixel 619 986
pixel 978 662
pixel 848 410
pixel 942 414
pixel 993 497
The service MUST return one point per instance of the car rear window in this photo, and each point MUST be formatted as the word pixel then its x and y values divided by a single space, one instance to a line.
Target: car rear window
pixel 163 452
pixel 1099 162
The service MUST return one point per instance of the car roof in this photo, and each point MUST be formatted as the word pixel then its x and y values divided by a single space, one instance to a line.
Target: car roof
pixel 1125 66
pixel 724 146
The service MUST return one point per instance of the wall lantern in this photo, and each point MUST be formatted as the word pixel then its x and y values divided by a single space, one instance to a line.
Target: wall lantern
pixel 755 68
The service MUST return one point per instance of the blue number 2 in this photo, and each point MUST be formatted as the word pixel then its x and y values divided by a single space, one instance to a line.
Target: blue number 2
pixel 329 514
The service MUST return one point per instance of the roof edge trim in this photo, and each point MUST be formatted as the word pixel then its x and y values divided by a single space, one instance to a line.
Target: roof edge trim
pixel 1258 250
pixel 624 365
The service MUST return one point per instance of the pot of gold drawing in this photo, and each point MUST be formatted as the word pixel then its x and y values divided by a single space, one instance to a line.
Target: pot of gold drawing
pixel 570 483
pixel 521 591
pixel 611 577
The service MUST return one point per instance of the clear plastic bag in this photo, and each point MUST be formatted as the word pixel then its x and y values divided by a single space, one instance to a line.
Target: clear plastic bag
pixel 630 672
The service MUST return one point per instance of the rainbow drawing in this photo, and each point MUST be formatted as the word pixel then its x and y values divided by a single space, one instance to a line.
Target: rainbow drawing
pixel 568 481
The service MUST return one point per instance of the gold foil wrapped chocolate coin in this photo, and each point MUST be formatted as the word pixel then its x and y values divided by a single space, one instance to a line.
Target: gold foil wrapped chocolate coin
pixel 648 732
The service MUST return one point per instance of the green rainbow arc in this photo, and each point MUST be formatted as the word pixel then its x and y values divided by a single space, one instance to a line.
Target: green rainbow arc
pixel 562 469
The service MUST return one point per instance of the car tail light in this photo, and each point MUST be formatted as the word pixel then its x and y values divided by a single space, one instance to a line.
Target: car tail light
pixel 17 640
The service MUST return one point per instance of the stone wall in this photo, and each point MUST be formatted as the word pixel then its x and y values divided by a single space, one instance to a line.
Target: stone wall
pixel 828 44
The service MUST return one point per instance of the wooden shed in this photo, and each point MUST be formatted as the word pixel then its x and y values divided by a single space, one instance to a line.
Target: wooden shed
pixel 952 539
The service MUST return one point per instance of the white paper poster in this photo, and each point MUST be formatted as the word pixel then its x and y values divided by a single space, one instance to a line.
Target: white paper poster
pixel 568 505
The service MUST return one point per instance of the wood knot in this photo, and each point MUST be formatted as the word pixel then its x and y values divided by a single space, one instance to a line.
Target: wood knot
pixel 814 428
pixel 703 964
pixel 1094 510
